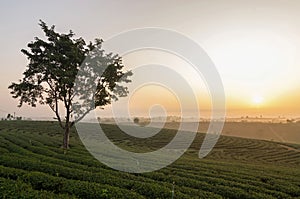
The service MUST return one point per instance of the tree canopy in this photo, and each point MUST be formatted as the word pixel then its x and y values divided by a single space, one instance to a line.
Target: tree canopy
pixel 55 64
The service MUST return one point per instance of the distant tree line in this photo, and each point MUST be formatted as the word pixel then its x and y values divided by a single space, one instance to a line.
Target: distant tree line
pixel 12 117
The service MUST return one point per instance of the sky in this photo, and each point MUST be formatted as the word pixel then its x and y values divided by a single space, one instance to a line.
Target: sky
pixel 255 46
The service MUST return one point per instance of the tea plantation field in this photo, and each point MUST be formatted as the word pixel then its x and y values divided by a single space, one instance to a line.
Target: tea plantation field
pixel 32 165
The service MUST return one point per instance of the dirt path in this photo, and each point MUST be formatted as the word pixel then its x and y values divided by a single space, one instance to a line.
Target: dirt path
pixel 289 148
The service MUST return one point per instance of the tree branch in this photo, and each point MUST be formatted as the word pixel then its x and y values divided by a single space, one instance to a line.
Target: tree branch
pixel 57 112
pixel 83 115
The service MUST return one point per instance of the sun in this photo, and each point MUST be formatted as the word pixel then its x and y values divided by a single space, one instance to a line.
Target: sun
pixel 257 99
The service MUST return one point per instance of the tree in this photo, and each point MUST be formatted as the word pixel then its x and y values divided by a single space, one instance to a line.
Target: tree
pixel 50 76
pixel 136 120
pixel 9 116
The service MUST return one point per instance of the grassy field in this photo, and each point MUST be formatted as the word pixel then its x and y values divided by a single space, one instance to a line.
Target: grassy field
pixel 32 165
pixel 278 132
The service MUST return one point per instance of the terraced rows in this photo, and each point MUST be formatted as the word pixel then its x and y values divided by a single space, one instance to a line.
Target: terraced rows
pixel 255 150
pixel 33 165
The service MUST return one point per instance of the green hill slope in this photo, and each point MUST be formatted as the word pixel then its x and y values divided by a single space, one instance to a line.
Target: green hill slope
pixel 32 165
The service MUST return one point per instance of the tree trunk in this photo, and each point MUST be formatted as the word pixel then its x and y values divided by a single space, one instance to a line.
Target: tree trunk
pixel 66 137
